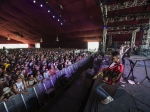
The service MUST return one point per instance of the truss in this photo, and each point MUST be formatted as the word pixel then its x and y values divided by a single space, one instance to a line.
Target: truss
pixel 128 4
pixel 131 27
pixel 119 32
pixel 128 17
pixel 104 13
pixel 134 37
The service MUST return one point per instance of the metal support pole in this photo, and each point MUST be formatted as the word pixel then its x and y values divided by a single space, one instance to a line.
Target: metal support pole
pixel 5 107
pixel 104 39
pixel 37 95
pixel 24 101
pixel 44 86
pixel 52 83
pixel 148 35
pixel 134 37
pixel 104 15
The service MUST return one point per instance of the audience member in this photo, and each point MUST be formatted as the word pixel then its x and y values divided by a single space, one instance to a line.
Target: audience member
pixel 20 86
pixel 7 94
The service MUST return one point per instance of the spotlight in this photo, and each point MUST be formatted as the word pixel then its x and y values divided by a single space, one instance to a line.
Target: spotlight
pixel 41 40
pixel 53 16
pixel 49 11
pixel 58 19
pixel 61 23
pixel 34 1
pixel 8 38
pixel 41 5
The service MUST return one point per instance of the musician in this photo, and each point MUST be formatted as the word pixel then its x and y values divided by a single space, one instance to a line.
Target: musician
pixel 110 75
pixel 135 48
pixel 121 51
pixel 126 53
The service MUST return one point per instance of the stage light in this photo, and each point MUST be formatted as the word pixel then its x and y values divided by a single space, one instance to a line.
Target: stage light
pixel 53 16
pixel 58 19
pixel 41 5
pixel 34 1
pixel 57 39
pixel 49 11
pixel 41 40
pixel 61 23
pixel 8 38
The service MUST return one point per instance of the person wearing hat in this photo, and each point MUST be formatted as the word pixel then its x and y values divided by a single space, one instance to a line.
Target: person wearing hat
pixel 7 94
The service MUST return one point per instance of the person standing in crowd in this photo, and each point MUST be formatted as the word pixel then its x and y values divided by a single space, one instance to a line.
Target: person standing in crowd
pixel 31 81
pixel 39 77
pixel 20 86
pixel 46 74
pixel 7 94
pixel 126 53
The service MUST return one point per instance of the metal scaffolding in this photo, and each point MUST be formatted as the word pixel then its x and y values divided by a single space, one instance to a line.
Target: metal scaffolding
pixel 128 17
pixel 104 15
pixel 129 27
pixel 146 37
pixel 134 37
pixel 119 32
pixel 127 4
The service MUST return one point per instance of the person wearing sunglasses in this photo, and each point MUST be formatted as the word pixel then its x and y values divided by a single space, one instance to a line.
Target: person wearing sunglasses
pixel 20 86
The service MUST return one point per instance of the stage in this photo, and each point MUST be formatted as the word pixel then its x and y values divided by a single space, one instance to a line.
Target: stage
pixel 131 98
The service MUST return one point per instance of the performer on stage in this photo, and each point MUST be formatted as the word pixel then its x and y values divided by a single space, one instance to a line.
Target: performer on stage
pixel 126 53
pixel 110 75
pixel 121 51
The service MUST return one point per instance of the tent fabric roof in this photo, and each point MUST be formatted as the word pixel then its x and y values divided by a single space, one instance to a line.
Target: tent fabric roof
pixel 82 20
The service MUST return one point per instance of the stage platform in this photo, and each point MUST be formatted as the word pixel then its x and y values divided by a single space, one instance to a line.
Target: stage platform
pixel 126 99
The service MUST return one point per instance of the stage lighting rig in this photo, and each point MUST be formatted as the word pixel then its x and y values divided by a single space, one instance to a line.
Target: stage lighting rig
pixel 129 27
pixel 127 4
pixel 127 17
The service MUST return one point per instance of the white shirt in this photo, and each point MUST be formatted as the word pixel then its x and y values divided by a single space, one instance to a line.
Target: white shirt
pixel 31 82
pixel 20 86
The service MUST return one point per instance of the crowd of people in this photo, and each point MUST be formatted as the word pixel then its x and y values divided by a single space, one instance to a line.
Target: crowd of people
pixel 21 69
